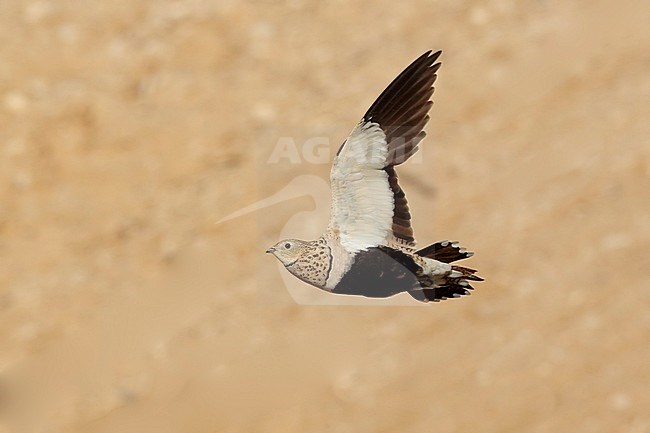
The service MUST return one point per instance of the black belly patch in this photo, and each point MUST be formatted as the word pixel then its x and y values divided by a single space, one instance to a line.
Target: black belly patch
pixel 379 273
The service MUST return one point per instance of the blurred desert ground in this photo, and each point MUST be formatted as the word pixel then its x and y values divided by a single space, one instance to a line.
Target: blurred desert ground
pixel 128 128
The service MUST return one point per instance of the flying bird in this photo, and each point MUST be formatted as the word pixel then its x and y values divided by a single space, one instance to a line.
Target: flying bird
pixel 368 248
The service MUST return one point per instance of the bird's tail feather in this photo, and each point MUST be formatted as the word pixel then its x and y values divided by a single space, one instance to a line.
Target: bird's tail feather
pixel 465 273
pixel 445 251
pixel 456 283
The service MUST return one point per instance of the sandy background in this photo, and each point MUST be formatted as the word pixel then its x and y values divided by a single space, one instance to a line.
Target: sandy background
pixel 128 128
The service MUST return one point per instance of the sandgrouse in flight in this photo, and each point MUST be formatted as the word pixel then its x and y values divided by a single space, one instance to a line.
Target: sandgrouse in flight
pixel 368 248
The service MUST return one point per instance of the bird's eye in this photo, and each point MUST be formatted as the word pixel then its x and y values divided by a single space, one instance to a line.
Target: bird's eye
pixel 287 246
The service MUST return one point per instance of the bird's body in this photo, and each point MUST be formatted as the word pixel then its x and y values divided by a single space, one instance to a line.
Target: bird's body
pixel 368 248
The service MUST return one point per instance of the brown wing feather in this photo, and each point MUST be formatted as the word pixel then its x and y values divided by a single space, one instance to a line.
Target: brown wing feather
pixel 401 216
pixel 402 112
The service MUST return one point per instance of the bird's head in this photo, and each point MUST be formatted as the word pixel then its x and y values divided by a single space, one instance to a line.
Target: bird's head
pixel 288 250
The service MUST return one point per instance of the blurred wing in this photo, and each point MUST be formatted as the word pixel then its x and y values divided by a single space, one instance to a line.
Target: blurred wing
pixel 368 206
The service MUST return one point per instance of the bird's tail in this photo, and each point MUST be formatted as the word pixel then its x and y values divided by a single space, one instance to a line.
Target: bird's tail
pixel 457 283
pixel 445 251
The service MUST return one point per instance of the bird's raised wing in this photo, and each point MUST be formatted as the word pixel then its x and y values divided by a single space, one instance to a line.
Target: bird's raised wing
pixel 368 206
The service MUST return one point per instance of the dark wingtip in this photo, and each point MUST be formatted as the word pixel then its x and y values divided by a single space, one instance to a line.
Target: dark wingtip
pixel 406 81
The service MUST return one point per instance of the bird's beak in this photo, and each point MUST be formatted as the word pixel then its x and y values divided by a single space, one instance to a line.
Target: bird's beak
pixel 270 250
